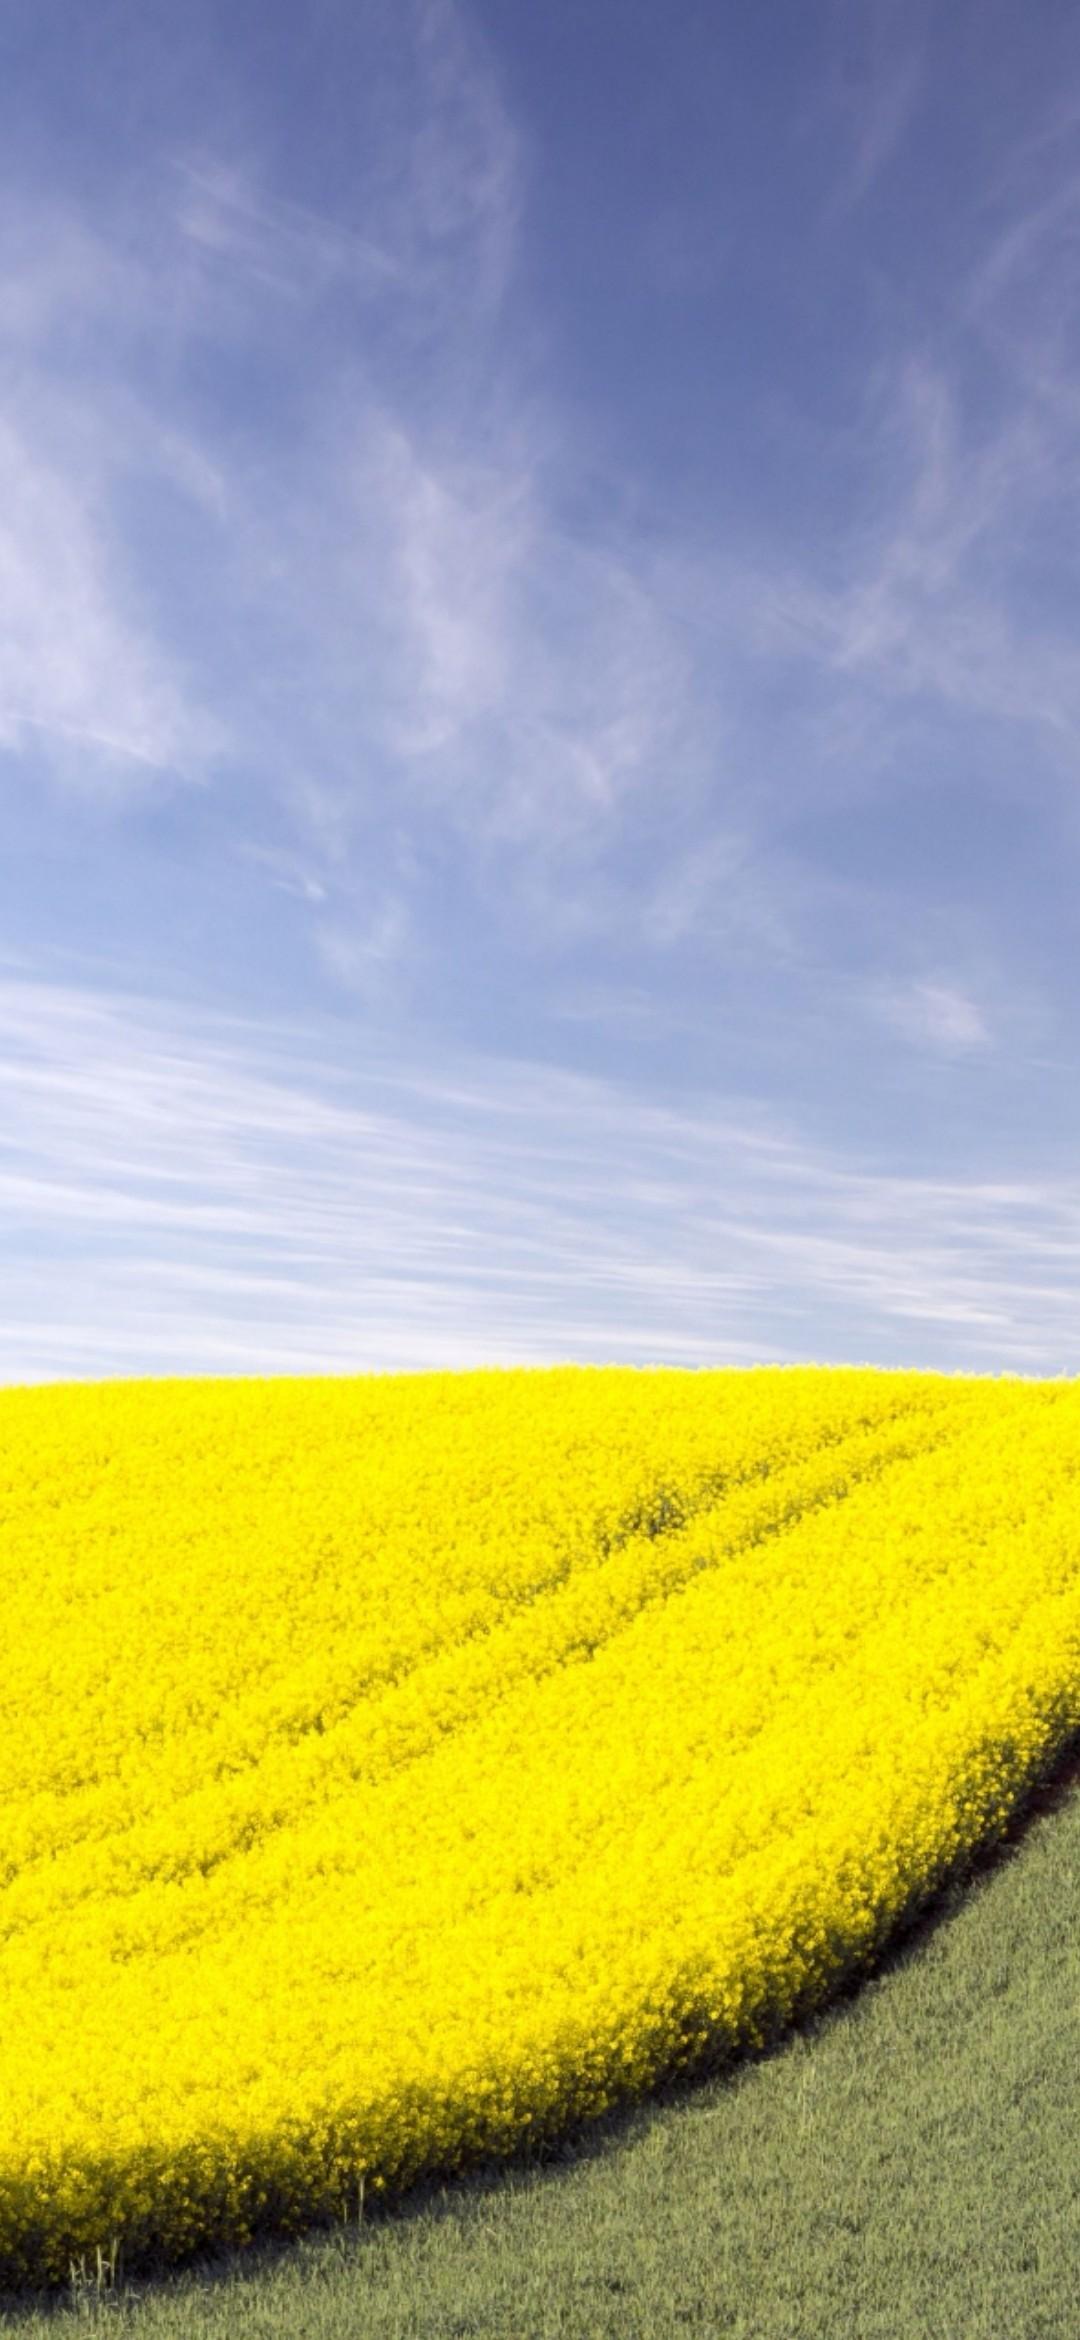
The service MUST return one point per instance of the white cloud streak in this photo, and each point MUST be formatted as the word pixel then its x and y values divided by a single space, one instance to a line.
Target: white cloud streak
pixel 388 619
pixel 75 672
pixel 400 627
pixel 435 191
pixel 101 315
pixel 878 71
pixel 930 610
pixel 935 1015
pixel 84 684
pixel 182 1193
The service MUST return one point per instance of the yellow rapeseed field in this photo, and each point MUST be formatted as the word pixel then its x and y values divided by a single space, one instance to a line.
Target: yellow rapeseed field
pixel 392 1769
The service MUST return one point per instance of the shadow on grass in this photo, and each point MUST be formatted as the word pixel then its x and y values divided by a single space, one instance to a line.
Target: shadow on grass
pixel 545 2161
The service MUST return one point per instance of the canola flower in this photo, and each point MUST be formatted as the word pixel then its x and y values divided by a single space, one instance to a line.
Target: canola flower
pixel 393 1770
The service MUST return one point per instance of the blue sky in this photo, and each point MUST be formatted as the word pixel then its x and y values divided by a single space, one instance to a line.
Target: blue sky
pixel 539 684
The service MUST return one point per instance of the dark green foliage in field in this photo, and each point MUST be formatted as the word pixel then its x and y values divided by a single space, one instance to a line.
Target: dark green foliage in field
pixel 909 2170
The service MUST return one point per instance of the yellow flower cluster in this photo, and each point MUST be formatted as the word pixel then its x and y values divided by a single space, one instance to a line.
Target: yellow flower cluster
pixel 393 1769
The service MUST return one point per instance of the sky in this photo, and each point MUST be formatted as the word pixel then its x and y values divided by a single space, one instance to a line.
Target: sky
pixel 539 685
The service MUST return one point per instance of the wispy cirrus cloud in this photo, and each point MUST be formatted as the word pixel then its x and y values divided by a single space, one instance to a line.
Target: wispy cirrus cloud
pixel 428 222
pixel 283 248
pixel 536 685
pixel 935 1015
pixel 951 590
pixel 878 66
pixel 538 728
pixel 86 685
pixel 187 1193
pixel 110 313
pixel 933 607
pixel 379 620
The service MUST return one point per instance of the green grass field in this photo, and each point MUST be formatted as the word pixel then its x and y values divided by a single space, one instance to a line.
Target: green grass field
pixel 906 2169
